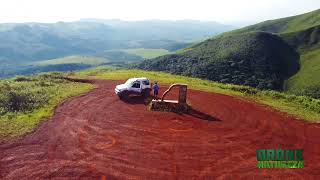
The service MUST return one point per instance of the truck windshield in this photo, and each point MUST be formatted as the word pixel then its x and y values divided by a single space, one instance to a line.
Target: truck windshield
pixel 129 81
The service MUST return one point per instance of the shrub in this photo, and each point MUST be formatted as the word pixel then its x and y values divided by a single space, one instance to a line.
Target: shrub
pixel 18 98
pixel 313 91
pixel 25 93
pixel 22 78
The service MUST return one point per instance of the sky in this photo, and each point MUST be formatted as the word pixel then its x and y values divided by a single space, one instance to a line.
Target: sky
pixel 223 11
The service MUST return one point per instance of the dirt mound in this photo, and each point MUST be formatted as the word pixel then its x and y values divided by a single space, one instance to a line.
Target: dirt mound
pixel 99 136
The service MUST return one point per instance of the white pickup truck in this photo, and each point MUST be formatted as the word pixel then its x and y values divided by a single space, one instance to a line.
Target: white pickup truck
pixel 139 86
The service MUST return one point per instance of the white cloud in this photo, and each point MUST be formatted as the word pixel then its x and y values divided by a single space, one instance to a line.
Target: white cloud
pixel 216 10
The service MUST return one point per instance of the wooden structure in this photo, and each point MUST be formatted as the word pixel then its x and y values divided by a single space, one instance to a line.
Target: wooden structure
pixel 179 105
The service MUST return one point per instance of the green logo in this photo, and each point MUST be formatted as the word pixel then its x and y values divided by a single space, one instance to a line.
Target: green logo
pixel 280 158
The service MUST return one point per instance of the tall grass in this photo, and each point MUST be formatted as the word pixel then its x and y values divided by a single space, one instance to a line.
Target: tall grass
pixel 26 101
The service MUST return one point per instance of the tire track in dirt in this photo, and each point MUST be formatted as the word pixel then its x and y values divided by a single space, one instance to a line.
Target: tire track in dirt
pixel 98 136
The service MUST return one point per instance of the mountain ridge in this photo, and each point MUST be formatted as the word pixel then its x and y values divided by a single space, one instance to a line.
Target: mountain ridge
pixel 256 59
pixel 300 32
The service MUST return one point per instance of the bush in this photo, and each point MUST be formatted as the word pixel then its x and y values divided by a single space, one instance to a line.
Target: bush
pixel 21 79
pixel 18 98
pixel 310 91
pixel 25 93
pixel 313 91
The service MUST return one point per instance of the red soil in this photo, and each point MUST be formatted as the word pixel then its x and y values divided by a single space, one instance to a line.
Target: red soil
pixel 99 136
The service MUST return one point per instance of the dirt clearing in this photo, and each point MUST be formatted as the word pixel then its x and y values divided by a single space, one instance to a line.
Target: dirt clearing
pixel 99 136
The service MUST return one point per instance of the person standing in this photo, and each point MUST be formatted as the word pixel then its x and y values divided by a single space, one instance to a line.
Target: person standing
pixel 156 89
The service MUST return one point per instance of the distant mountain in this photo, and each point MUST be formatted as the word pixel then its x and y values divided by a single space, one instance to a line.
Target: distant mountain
pixel 26 42
pixel 264 55
pixel 180 30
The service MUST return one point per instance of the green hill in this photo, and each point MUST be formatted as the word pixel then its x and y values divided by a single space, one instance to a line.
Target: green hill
pixel 284 25
pixel 256 59
pixel 303 40
pixel 307 43
pixel 306 81
pixel 301 32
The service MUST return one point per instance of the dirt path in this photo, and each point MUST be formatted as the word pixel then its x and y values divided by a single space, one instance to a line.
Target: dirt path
pixel 99 136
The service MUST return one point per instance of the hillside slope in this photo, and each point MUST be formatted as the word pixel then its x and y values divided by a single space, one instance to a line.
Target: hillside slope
pixel 301 32
pixel 306 81
pixel 304 40
pixel 307 43
pixel 284 25
pixel 256 59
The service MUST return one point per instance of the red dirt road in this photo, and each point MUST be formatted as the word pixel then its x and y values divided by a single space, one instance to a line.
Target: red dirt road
pixel 98 136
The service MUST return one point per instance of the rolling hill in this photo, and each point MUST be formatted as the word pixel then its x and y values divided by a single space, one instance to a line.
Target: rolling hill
pixel 301 33
pixel 284 25
pixel 256 59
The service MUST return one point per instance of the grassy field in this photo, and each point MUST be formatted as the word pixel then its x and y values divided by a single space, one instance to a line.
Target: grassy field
pixel 77 59
pixel 147 53
pixel 307 80
pixel 26 101
pixel 299 106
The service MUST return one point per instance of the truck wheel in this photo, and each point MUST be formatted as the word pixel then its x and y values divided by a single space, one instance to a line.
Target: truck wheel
pixel 124 95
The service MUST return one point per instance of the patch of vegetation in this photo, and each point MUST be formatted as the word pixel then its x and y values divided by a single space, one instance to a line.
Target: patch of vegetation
pixel 300 106
pixel 26 101
pixel 307 80
pixel 119 56
pixel 255 59
pixel 302 32
pixel 87 60
pixel 307 43
pixel 147 53
pixel 303 40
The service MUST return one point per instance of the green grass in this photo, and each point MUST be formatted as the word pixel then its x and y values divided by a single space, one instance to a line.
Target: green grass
pixel 301 22
pixel 77 59
pixel 308 77
pixel 147 53
pixel 299 106
pixel 26 101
